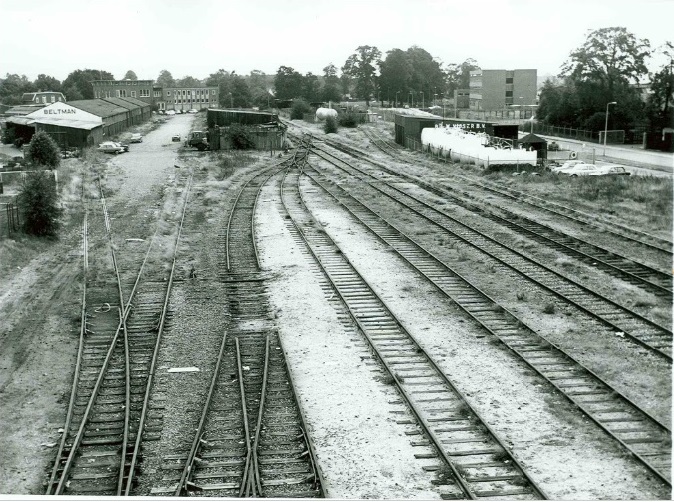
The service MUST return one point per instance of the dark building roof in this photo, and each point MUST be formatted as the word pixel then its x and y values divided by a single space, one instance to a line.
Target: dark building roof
pixel 98 107
pixel 135 101
pixel 531 139
pixel 23 109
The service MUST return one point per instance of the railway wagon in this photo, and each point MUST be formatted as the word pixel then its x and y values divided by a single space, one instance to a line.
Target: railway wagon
pixel 225 118
pixel 494 129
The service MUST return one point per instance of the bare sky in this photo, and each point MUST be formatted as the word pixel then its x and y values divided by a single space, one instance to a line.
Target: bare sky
pixel 198 37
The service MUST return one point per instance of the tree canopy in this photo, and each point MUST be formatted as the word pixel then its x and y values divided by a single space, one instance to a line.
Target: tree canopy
pixel 130 75
pixel 362 66
pixel 288 83
pixel 78 83
pixel 165 79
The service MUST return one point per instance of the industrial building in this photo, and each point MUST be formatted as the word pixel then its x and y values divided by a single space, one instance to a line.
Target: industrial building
pixel 42 97
pixel 158 97
pixel 499 89
pixel 81 123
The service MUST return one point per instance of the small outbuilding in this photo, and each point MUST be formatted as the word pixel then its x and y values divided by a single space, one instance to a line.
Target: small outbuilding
pixel 533 142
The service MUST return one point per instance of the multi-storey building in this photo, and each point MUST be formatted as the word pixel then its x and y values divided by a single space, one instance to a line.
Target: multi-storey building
pixel 138 89
pixel 189 98
pixel 161 98
pixel 498 89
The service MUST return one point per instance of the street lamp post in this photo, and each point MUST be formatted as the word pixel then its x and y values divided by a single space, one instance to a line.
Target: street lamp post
pixel 606 123
pixel 422 100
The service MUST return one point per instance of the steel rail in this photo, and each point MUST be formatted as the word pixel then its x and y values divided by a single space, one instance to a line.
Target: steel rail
pixel 80 350
pixel 636 339
pixel 155 354
pixel 248 471
pixel 422 422
pixel 591 220
pixel 258 427
pixel 554 238
pixel 437 261
pixel 231 215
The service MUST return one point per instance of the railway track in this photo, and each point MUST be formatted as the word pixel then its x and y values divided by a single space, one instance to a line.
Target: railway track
pixel 635 429
pixel 472 461
pixel 251 440
pixel 632 325
pixel 613 228
pixel 630 270
pixel 110 412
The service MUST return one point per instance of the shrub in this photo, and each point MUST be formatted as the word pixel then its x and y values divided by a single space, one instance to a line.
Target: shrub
pixel 299 108
pixel 350 119
pixel 38 201
pixel 549 308
pixel 8 136
pixel 240 137
pixel 330 125
pixel 43 150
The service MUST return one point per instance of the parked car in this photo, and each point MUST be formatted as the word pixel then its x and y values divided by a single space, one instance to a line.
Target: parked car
pixel 192 111
pixel 566 166
pixel 136 137
pixel 170 112
pixel 176 137
pixel 583 170
pixel 125 146
pixel 612 170
pixel 110 147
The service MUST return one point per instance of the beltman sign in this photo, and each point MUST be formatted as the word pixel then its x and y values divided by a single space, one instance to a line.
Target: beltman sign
pixel 59 112
pixel 48 111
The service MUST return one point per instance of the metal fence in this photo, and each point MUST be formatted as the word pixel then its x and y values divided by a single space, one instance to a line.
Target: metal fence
pixel 9 219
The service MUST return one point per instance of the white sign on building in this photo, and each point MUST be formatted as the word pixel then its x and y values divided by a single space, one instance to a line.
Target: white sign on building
pixel 63 111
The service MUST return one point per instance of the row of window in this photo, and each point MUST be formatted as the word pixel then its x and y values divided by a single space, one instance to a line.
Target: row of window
pixel 180 101
pixel 199 92
pixel 53 98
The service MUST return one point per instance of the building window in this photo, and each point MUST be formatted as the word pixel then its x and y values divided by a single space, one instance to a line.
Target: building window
pixel 213 92
pixel 145 93
pixel 117 92
pixel 509 80
pixel 509 94
pixel 168 93
pixel 133 94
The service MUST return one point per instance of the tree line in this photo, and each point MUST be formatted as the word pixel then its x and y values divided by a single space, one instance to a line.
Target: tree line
pixel 601 71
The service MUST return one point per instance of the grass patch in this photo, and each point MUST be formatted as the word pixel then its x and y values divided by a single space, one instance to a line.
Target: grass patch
pixel 549 308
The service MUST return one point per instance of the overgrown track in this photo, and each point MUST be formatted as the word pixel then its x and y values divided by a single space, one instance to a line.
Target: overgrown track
pixel 473 462
pixel 630 324
pixel 109 415
pixel 617 230
pixel 644 436
pixel 630 270
pixel 251 439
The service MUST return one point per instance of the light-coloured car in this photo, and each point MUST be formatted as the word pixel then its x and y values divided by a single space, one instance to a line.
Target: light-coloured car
pixel 583 170
pixel 170 112
pixel 192 111
pixel 612 170
pixel 566 166
pixel 136 137
pixel 110 147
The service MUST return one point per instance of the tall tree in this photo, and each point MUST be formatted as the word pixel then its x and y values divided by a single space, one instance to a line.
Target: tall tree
pixel 426 75
pixel 311 89
pixel 659 108
pixel 47 83
pixel 609 56
pixel 330 84
pixel 188 81
pixel 288 83
pixel 240 92
pixel 362 67
pixel 221 79
pixel 396 73
pixel 458 75
pixel 78 83
pixel 165 79
pixel 130 75
pixel 12 88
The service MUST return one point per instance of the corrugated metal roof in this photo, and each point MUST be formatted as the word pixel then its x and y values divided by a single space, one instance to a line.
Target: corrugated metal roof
pixel 121 102
pixel 98 107
pixel 23 109
pixel 136 101
pixel 20 121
